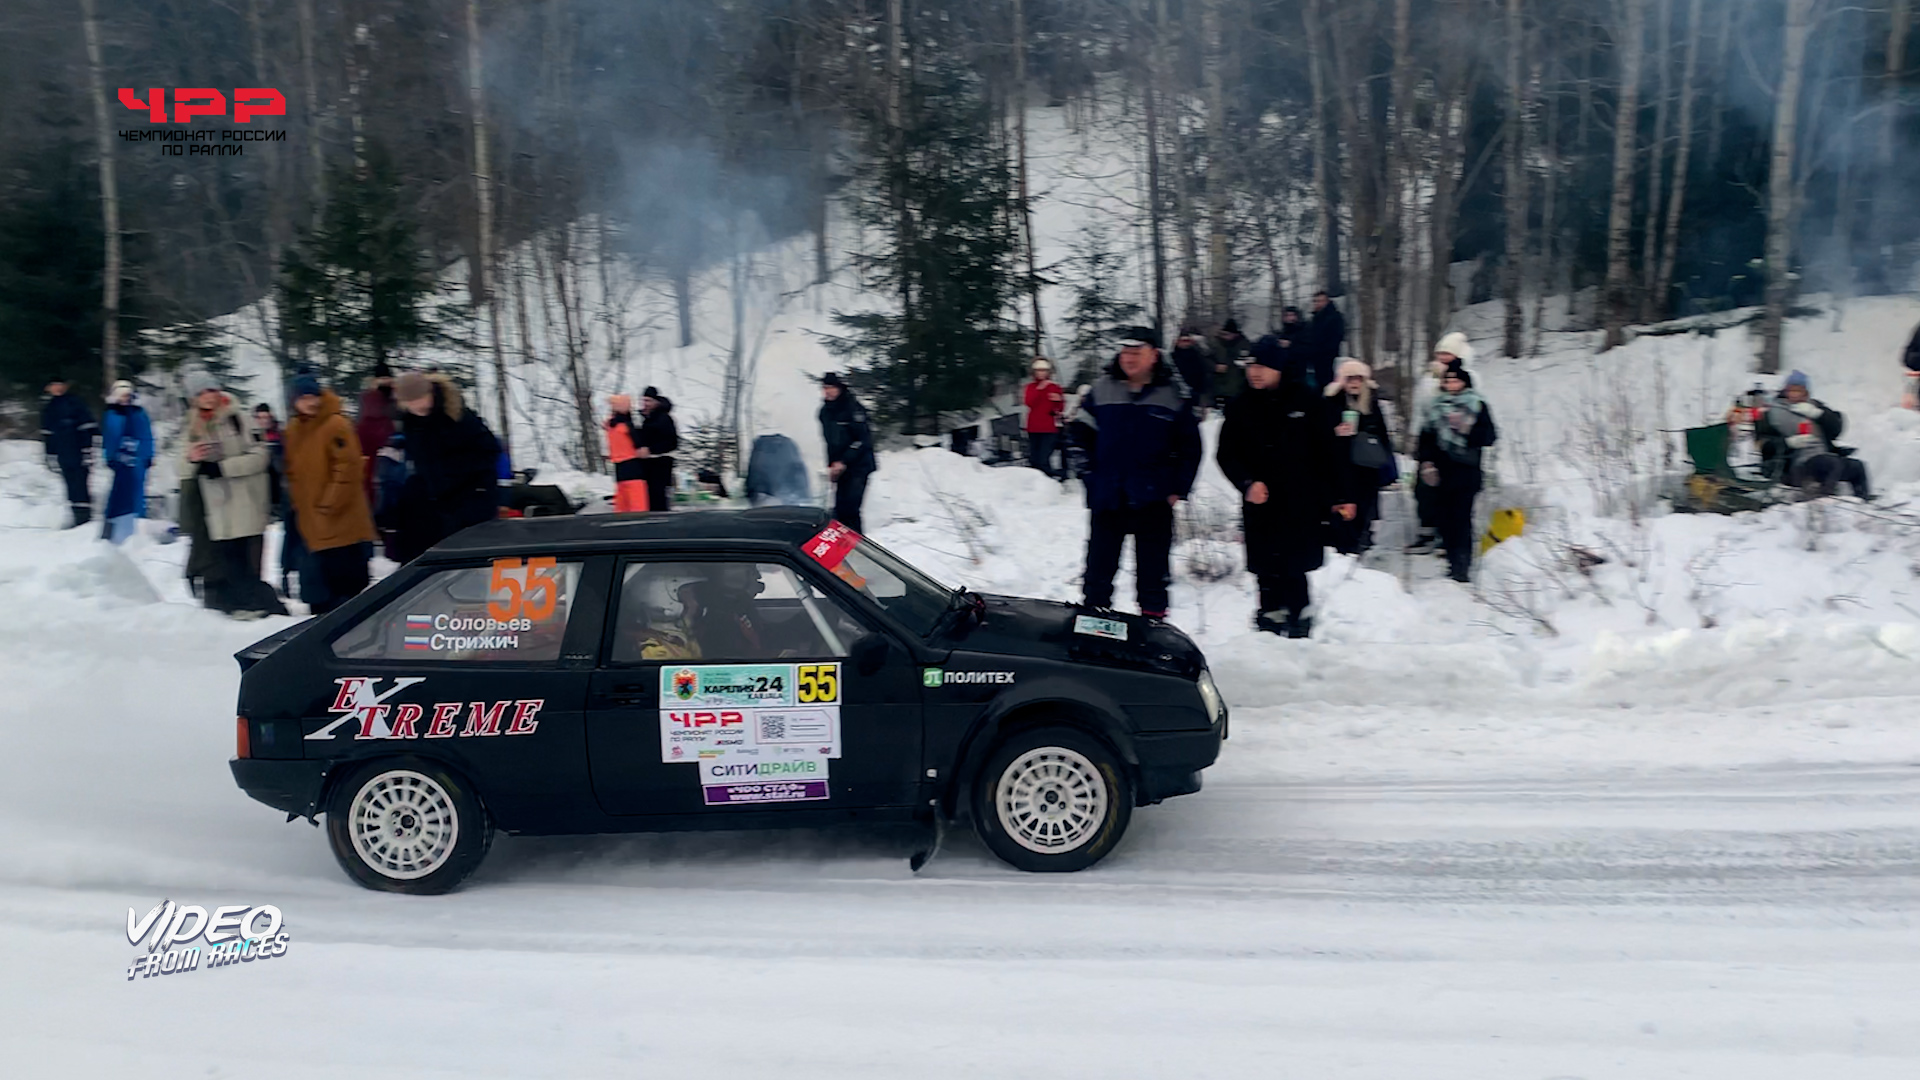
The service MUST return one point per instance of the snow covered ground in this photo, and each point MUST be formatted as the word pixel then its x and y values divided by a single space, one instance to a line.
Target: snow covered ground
pixel 1680 836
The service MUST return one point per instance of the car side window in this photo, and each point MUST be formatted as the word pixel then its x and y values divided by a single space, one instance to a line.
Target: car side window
pixel 743 611
pixel 513 610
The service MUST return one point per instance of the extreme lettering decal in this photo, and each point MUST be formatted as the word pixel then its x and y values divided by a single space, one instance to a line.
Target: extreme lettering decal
pixel 360 699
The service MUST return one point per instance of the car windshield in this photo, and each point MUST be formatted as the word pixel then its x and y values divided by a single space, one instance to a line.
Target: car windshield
pixel 914 600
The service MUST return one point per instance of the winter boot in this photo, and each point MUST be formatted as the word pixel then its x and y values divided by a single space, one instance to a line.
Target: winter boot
pixel 1299 626
pixel 1428 541
pixel 1271 622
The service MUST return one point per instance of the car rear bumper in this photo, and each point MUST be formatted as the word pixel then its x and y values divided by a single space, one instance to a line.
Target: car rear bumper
pixel 290 785
pixel 1171 761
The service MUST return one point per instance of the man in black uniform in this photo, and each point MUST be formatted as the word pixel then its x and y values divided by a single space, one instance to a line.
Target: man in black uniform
pixel 849 438
pixel 659 438
pixel 68 429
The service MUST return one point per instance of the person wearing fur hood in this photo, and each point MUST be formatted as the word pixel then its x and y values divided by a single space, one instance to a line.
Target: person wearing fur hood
pixel 452 464
pixel 1365 451
pixel 222 451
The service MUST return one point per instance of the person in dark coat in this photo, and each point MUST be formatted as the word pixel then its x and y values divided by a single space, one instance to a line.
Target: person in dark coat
pixel 1195 368
pixel 659 438
pixel 1910 360
pixel 1136 446
pixel 68 430
pixel 1360 428
pixel 1326 337
pixel 1230 349
pixel 849 438
pixel 1456 431
pixel 1796 437
pixel 377 417
pixel 451 461
pixel 1277 448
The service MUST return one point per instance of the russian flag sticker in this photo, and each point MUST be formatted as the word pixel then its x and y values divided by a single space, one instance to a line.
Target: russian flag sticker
pixel 413 643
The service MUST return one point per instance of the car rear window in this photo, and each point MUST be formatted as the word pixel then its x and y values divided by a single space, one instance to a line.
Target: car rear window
pixel 512 610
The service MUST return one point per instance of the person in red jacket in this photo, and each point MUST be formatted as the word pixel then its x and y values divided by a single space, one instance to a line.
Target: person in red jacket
pixel 623 448
pixel 1045 402
pixel 375 424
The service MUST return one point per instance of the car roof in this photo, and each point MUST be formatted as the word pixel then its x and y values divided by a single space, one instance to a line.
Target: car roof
pixel 784 525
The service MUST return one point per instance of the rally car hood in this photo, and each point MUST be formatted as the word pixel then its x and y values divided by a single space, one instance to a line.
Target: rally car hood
pixel 1020 626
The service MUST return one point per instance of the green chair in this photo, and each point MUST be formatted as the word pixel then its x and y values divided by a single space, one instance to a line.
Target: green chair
pixel 1717 486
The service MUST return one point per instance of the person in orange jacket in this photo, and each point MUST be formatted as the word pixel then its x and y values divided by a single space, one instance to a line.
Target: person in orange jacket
pixel 623 447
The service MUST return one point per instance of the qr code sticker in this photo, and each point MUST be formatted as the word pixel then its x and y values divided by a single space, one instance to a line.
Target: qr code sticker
pixel 773 728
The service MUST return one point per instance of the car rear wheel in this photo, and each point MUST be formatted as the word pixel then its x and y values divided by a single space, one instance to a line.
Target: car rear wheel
pixel 1052 800
pixel 407 826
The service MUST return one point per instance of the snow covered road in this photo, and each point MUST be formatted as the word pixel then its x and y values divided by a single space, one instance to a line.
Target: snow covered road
pixel 1751 923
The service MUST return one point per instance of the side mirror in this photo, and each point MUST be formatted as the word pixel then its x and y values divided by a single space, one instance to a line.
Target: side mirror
pixel 869 654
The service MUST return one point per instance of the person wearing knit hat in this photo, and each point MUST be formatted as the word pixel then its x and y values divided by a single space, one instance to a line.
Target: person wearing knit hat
pixel 1365 451
pixel 126 441
pixel 1796 438
pixel 850 458
pixel 1452 350
pixel 1456 431
pixel 1278 450
pixel 659 438
pixel 326 471
pixel 623 449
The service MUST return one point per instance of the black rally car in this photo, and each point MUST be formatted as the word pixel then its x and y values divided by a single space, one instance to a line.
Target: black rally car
pixel 709 670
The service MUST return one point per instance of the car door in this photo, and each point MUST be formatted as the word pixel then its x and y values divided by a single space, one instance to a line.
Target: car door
pixel 730 684
pixel 482 665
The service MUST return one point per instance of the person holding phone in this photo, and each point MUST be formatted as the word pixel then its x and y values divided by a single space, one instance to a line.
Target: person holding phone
pixel 228 461
pixel 1365 452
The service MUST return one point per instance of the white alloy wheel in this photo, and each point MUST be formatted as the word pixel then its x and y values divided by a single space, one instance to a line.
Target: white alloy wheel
pixel 403 824
pixel 1051 800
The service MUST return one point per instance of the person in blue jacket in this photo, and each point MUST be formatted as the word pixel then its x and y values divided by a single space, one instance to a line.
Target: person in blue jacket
pixel 126 440
pixel 1135 442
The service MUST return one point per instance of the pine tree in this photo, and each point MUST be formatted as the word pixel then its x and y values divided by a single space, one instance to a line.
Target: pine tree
pixel 359 289
pixel 940 193
pixel 49 277
pixel 1095 313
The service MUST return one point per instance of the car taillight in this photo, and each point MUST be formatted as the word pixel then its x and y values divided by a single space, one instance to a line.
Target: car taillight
pixel 241 747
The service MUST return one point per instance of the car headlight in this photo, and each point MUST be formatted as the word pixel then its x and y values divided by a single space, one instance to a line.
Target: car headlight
pixel 1210 695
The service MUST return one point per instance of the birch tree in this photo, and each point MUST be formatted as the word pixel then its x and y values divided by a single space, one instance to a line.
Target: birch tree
pixel 1631 41
pixel 1662 287
pixel 109 199
pixel 1780 180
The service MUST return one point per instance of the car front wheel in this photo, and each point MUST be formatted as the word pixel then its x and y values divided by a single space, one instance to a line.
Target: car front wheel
pixel 407 826
pixel 1052 800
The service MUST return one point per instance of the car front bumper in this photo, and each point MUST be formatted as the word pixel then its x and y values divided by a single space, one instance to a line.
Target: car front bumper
pixel 291 785
pixel 1171 761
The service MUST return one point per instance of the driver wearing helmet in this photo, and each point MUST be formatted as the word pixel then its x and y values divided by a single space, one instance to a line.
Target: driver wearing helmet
pixel 660 613
pixel 726 623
